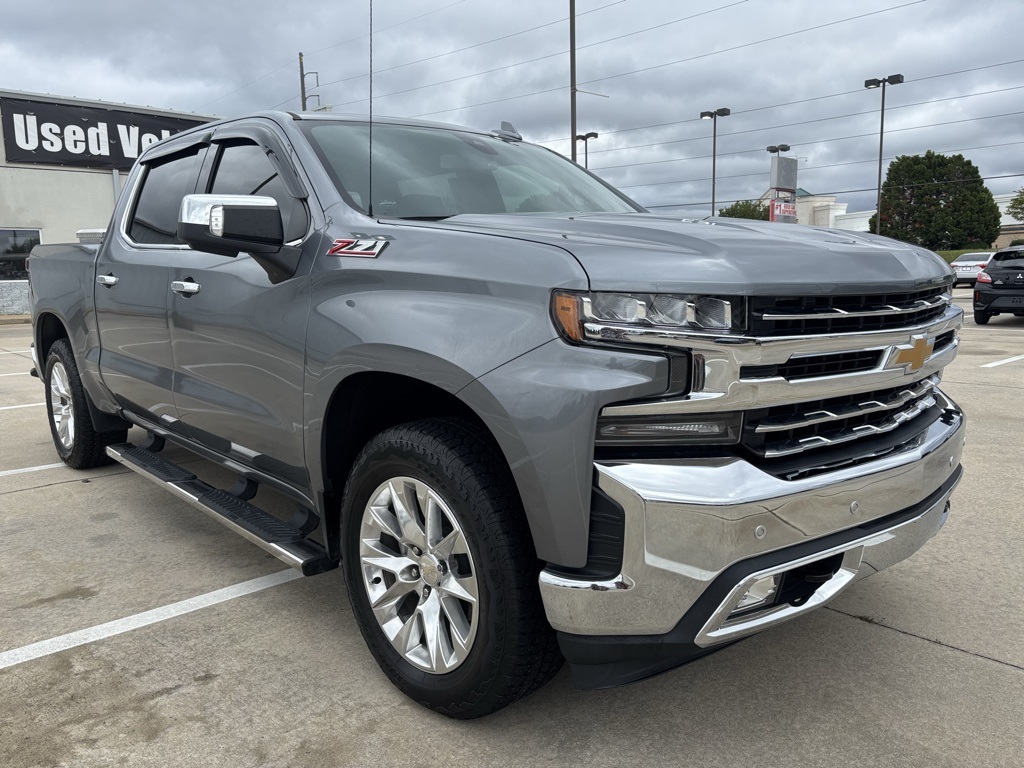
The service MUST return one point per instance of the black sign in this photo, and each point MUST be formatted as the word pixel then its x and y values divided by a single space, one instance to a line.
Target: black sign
pixel 41 132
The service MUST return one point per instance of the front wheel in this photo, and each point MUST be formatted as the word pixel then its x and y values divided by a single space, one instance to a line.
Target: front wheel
pixel 981 317
pixel 441 570
pixel 78 444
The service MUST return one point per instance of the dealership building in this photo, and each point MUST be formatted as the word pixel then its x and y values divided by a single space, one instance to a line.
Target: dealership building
pixel 63 164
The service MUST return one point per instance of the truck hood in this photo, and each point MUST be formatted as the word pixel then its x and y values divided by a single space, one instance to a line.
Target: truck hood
pixel 661 254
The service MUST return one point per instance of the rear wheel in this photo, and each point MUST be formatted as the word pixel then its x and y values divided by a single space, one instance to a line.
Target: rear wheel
pixel 77 443
pixel 981 317
pixel 441 571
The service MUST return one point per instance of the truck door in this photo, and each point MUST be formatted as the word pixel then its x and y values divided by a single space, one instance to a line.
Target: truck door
pixel 133 285
pixel 238 339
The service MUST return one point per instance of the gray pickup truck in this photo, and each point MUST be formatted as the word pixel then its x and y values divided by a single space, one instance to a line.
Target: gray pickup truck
pixel 530 420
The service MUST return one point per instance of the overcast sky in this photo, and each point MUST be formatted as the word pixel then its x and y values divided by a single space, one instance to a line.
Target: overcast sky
pixel 791 72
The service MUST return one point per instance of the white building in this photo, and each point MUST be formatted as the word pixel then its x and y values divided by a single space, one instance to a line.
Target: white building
pixel 62 167
pixel 819 210
pixel 1009 228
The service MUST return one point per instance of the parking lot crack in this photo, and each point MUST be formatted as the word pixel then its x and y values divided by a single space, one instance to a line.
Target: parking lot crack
pixel 869 620
pixel 61 482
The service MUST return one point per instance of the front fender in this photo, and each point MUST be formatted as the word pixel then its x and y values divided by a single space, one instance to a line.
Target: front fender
pixel 542 409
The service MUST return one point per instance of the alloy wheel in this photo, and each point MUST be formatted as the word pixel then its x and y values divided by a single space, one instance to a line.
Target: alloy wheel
pixel 61 408
pixel 419 574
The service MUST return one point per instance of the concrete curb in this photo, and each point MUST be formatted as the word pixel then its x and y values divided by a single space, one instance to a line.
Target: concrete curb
pixel 15 319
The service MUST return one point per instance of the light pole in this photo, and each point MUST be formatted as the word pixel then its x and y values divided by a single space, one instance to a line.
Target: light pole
pixel 585 138
pixel 782 184
pixel 876 83
pixel 713 117
pixel 572 74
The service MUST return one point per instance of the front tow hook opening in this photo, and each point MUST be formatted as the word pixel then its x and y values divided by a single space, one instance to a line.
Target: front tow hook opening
pixel 801 583
pixel 770 597
pixel 793 587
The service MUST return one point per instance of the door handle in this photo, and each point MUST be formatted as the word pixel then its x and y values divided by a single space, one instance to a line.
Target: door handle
pixel 107 280
pixel 184 287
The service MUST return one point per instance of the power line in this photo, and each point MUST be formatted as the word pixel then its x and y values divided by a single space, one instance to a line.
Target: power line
pixel 251 82
pixel 783 104
pixel 756 42
pixel 546 56
pixel 320 50
pixel 673 63
pixel 784 125
pixel 466 48
pixel 857 136
pixel 817 167
pixel 852 191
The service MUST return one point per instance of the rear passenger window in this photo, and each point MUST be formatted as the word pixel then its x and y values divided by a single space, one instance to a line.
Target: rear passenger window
pixel 245 169
pixel 155 218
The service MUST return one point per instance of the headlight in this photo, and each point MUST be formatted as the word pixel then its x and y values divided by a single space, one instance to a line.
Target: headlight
pixel 572 311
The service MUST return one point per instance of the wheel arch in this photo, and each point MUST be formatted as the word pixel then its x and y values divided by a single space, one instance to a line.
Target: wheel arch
pixel 48 328
pixel 363 405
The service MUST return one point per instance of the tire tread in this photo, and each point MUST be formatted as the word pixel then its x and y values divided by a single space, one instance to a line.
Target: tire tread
pixel 89 447
pixel 529 656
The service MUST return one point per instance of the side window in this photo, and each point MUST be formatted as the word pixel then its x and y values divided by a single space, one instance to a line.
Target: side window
pixel 155 218
pixel 245 169
pixel 15 245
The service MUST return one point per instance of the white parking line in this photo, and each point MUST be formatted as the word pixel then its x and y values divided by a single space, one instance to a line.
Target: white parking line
pixel 7 472
pixel 1003 362
pixel 17 352
pixel 120 626
pixel 12 407
pixel 22 373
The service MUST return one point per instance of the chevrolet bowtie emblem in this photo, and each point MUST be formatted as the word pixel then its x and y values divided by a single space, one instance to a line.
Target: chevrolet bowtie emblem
pixel 912 357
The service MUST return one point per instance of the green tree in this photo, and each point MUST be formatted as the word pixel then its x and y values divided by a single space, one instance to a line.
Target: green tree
pixel 937 201
pixel 746 209
pixel 1016 207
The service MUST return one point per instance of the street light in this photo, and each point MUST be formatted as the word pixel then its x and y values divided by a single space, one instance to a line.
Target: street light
pixel 776 148
pixel 881 83
pixel 713 117
pixel 585 138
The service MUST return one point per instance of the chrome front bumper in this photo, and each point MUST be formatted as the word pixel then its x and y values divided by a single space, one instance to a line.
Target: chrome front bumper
pixel 691 524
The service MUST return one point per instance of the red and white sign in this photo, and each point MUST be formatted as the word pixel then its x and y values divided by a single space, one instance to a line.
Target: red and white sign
pixel 782 208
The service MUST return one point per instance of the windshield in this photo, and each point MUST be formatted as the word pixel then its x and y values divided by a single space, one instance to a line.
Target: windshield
pixel 971 257
pixel 434 173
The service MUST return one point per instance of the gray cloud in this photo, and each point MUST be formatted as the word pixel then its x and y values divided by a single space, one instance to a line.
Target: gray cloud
pixel 229 58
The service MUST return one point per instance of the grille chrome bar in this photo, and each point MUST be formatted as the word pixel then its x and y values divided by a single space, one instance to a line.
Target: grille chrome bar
pixel 882 311
pixel 896 420
pixel 892 402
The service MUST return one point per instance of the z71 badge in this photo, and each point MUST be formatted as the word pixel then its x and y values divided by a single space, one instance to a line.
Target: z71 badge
pixel 367 248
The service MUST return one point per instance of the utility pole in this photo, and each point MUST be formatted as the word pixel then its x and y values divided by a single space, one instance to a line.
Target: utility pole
pixel 572 76
pixel 302 82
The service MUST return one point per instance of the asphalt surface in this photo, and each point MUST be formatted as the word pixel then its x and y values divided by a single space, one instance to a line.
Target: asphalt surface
pixel 921 665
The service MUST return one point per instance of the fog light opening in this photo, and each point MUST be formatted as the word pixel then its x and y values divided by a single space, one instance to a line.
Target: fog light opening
pixel 761 594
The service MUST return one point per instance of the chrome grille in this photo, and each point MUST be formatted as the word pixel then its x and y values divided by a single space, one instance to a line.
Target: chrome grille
pixel 812 366
pixel 784 431
pixel 796 315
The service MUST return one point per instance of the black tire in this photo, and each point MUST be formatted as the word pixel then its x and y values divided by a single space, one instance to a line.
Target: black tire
pixel 981 317
pixel 77 443
pixel 512 650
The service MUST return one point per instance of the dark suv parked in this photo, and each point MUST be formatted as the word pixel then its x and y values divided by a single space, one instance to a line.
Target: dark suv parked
pixel 1000 286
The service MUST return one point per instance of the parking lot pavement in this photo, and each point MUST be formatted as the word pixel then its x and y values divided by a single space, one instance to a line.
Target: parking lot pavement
pixel 921 665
